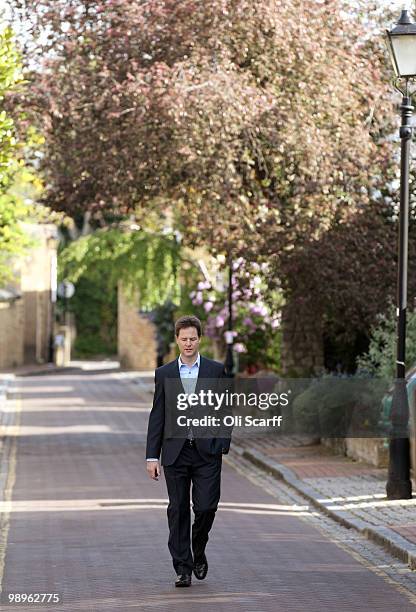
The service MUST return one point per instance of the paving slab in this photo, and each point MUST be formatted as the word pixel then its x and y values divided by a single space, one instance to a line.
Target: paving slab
pixel 351 492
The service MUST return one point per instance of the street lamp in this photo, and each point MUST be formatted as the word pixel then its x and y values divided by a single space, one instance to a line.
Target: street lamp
pixel 229 334
pixel 402 47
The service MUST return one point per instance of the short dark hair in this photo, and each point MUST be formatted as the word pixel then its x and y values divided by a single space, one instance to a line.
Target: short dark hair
pixel 188 321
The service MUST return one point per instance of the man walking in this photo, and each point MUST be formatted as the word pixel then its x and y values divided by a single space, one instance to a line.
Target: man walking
pixel 186 460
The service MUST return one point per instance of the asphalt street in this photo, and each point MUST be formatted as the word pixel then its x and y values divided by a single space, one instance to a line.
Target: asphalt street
pixel 80 518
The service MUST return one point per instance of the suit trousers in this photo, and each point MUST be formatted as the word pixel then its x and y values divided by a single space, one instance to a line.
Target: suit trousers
pixel 205 477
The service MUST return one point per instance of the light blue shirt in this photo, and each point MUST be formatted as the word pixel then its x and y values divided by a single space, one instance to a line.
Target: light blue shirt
pixel 189 377
pixel 186 371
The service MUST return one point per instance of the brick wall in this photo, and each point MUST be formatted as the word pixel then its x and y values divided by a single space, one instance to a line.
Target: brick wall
pixel 136 336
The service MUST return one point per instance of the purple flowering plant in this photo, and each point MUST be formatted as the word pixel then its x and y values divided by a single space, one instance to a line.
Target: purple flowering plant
pixel 256 325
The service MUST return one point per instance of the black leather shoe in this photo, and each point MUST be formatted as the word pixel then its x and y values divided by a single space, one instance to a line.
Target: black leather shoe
pixel 201 567
pixel 183 580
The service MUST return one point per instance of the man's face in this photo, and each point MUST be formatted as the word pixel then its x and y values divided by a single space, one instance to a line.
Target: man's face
pixel 188 341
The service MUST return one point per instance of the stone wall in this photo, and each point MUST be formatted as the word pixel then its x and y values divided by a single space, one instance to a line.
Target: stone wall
pixel 136 336
pixel 374 451
pixel 302 343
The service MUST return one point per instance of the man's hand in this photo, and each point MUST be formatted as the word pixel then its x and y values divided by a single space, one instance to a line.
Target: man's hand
pixel 153 469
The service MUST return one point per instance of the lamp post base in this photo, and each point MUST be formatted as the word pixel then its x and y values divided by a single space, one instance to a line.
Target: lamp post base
pixel 229 362
pixel 399 485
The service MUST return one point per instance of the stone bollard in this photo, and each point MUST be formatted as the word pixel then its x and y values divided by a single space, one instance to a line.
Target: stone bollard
pixel 62 343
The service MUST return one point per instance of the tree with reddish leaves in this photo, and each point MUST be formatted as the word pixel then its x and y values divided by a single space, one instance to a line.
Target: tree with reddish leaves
pixel 261 125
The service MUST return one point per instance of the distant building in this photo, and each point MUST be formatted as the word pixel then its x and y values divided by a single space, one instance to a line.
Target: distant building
pixel 26 305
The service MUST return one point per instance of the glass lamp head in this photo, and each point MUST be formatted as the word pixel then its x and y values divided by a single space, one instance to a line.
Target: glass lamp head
pixel 401 42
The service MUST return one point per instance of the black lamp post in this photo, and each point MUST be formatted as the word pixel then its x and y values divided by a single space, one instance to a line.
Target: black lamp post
pixel 402 46
pixel 229 334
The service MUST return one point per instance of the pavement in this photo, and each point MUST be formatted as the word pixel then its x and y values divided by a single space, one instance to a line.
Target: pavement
pixel 351 492
pixel 80 517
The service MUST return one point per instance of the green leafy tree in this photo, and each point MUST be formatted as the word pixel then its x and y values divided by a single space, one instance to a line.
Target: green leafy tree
pixel 380 360
pixel 20 184
pixel 142 262
pixel 10 78
pixel 13 209
pixel 95 313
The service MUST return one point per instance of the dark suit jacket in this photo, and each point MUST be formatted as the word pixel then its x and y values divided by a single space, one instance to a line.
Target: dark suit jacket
pixel 157 440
